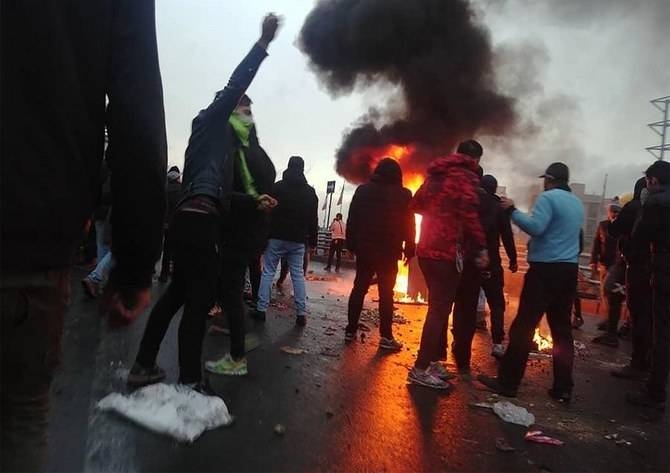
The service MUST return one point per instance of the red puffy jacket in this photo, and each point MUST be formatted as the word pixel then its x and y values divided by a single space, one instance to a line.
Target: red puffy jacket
pixel 449 203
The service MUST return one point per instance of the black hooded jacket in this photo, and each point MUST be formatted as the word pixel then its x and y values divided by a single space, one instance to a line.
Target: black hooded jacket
pixel 653 228
pixel 622 228
pixel 296 216
pixel 497 227
pixel 379 217
pixel 247 228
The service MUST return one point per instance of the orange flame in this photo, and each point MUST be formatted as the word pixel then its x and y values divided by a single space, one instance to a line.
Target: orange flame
pixel 543 342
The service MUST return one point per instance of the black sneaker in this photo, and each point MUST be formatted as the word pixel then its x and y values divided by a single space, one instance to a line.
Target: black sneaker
pixel 257 315
pixel 140 376
pixel 577 322
pixel 607 339
pixel 629 372
pixel 301 321
pixel 91 288
pixel 560 395
pixel 494 385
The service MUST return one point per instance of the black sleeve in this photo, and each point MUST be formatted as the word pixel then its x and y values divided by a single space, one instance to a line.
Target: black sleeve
pixel 410 228
pixel 644 227
pixel 226 100
pixel 507 236
pixel 313 237
pixel 242 202
pixel 353 222
pixel 596 249
pixel 137 144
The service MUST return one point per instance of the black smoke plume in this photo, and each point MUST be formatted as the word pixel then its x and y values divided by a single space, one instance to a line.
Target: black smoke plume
pixel 433 53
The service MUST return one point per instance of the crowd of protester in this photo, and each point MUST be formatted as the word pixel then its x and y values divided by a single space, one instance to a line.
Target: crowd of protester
pixel 225 216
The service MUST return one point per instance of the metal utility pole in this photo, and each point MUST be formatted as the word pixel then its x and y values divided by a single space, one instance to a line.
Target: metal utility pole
pixel 661 128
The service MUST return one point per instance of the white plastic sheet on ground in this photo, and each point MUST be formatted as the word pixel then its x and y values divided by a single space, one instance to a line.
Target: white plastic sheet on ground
pixel 514 414
pixel 174 410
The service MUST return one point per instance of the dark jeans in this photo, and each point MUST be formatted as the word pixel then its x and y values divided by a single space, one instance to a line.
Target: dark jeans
pixel 336 247
pixel 386 270
pixel 639 299
pixel 493 283
pixel 615 275
pixel 232 287
pixel 550 288
pixel 195 239
pixel 32 307
pixel 255 270
pixel 442 279
pixel 465 316
pixel 167 255
pixel 660 354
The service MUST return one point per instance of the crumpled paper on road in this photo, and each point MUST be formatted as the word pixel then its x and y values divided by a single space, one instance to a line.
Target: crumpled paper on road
pixel 174 410
pixel 514 414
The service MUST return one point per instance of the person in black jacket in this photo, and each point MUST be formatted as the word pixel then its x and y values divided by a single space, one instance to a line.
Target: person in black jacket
pixel 380 228
pixel 638 287
pixel 295 216
pixel 497 227
pixel 604 258
pixel 61 63
pixel 195 232
pixel 244 232
pixel 173 190
pixel 653 231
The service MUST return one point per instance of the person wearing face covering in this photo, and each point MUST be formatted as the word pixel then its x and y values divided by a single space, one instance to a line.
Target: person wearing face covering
pixel 195 232
pixel 244 233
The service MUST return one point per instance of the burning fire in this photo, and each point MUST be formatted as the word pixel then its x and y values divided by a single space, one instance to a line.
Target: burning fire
pixel 543 342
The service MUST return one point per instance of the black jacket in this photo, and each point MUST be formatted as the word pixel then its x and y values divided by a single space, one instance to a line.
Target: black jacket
pixel 60 61
pixel 653 228
pixel 208 166
pixel 296 216
pixel 497 227
pixel 604 250
pixel 173 189
pixel 379 220
pixel 247 228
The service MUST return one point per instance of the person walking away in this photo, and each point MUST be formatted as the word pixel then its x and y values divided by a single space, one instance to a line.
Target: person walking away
pixel 653 231
pixel 603 256
pixel 549 286
pixel 244 231
pixel 57 77
pixel 497 228
pixel 173 190
pixel 450 232
pixel 295 216
pixel 380 230
pixel 636 257
pixel 195 232
pixel 338 231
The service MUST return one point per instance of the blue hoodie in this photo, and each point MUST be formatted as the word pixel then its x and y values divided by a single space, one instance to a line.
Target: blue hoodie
pixel 554 225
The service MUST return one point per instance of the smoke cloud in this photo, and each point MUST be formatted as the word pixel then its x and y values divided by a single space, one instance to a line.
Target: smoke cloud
pixel 436 57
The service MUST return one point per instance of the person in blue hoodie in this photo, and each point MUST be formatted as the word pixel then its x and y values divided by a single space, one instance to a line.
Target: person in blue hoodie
pixel 550 285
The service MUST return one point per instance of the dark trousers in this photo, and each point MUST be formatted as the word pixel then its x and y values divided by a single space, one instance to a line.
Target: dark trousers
pixel 442 279
pixel 615 275
pixel 195 239
pixel 232 288
pixel 639 299
pixel 255 270
pixel 336 247
pixel 493 283
pixel 548 288
pixel 167 255
pixel 386 270
pixel 660 354
pixel 465 316
pixel 32 311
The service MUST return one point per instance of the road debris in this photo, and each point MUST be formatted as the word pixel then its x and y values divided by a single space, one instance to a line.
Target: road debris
pixel 537 437
pixel 503 446
pixel 293 350
pixel 514 414
pixel 279 429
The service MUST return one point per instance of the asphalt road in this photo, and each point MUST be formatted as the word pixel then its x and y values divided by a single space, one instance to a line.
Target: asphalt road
pixel 344 408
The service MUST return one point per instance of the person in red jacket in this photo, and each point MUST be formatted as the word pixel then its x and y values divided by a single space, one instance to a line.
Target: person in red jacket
pixel 451 233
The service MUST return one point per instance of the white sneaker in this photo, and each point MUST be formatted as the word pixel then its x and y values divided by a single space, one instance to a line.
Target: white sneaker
pixel 498 350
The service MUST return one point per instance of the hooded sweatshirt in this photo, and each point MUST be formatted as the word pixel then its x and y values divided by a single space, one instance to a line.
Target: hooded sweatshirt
pixel 622 228
pixel 449 202
pixel 379 219
pixel 296 216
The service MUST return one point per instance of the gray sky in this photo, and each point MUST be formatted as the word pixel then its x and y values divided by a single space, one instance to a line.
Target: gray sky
pixel 583 71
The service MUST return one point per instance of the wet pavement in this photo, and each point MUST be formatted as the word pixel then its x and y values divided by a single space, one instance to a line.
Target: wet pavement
pixel 346 408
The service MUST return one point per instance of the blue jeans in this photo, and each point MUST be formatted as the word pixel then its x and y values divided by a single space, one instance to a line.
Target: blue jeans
pixel 101 271
pixel 294 253
pixel 102 246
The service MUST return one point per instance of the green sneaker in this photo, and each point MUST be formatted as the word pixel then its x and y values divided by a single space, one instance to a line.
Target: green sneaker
pixel 227 366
